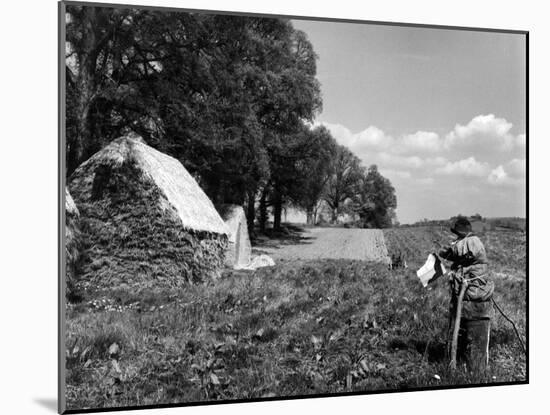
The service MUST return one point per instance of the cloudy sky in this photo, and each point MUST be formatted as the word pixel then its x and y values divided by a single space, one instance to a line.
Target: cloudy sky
pixel 441 112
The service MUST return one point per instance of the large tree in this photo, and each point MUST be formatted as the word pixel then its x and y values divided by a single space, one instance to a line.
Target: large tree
pixel 314 170
pixel 131 69
pixel 226 95
pixel 293 97
pixel 97 39
pixel 376 202
pixel 344 182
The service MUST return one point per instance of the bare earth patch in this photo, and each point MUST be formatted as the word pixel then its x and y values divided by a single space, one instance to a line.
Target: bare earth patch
pixel 333 243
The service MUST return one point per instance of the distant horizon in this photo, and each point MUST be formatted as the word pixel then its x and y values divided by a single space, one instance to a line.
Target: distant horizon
pixel 300 217
pixel 469 216
pixel 442 113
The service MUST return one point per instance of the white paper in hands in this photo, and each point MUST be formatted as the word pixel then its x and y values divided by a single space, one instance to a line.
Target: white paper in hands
pixel 432 269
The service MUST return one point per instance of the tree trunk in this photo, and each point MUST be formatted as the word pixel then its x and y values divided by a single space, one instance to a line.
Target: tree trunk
pixel 334 214
pixel 251 212
pixel 263 210
pixel 315 210
pixel 310 217
pixel 83 133
pixel 277 210
pixel 85 89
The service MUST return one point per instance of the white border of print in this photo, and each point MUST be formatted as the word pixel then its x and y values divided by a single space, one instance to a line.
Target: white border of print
pixel 28 174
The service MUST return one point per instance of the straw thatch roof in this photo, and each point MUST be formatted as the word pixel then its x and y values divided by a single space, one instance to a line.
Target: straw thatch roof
pixel 239 251
pixel 72 215
pixel 146 223
pixel 72 241
pixel 70 206
pixel 194 208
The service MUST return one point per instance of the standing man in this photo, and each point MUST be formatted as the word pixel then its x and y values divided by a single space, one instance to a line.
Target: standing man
pixel 469 262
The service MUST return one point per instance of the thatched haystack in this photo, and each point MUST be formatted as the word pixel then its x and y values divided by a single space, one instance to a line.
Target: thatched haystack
pixel 239 252
pixel 146 221
pixel 72 242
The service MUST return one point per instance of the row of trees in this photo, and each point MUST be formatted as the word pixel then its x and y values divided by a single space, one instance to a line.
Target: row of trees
pixel 231 97
pixel 343 186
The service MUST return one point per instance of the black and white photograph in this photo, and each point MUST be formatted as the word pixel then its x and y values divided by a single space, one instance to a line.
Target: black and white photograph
pixel 259 207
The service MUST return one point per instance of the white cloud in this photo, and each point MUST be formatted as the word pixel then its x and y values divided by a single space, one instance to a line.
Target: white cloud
pixel 482 135
pixel 424 141
pixel 400 174
pixel 373 138
pixel 499 176
pixel 387 159
pixel 485 137
pixel 341 133
pixel 511 174
pixel 484 148
pixel 466 167
pixel 487 125
pixel 516 168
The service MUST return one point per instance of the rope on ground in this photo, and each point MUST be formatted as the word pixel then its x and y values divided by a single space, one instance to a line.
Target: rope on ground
pixel 512 323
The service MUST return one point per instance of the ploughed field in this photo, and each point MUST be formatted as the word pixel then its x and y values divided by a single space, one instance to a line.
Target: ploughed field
pixel 333 243
pixel 506 249
pixel 305 326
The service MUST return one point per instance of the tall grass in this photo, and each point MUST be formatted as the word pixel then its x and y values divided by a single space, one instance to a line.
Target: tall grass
pixel 298 328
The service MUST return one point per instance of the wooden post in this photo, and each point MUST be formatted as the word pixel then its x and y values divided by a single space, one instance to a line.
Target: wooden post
pixel 454 344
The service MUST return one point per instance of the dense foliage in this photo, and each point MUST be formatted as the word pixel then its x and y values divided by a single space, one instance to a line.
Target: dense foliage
pixel 231 97
pixel 376 201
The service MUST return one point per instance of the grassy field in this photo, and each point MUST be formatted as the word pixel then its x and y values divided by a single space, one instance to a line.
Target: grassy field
pixel 301 327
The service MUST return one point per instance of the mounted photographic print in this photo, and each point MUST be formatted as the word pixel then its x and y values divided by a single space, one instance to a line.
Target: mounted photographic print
pixel 260 207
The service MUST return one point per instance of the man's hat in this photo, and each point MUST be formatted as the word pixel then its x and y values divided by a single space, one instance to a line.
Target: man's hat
pixel 461 227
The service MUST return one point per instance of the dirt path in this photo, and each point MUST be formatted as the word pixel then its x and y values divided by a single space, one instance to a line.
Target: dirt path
pixel 334 243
